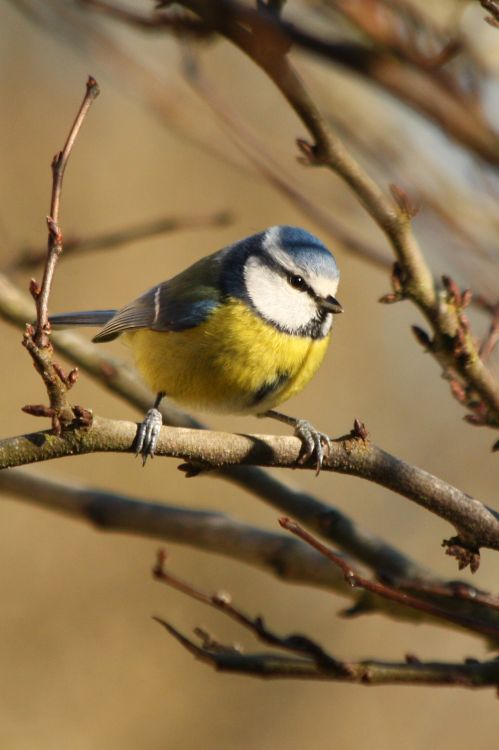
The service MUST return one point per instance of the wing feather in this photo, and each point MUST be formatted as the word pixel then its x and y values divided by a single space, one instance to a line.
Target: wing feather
pixel 175 305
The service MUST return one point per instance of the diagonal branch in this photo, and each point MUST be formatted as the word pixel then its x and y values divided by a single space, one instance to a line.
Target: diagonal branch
pixel 389 592
pixel 288 559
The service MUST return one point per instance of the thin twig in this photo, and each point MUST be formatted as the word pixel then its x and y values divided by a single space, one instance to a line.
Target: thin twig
pixel 384 590
pixel 55 236
pixel 308 659
pixel 36 339
pixel 473 674
pixel 288 559
pixel 492 6
pixel 222 603
pixel 31 257
pixel 416 80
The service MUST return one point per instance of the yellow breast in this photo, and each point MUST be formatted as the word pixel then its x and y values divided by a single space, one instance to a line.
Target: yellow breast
pixel 233 362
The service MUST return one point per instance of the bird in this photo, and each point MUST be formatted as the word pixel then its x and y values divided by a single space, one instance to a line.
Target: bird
pixel 240 331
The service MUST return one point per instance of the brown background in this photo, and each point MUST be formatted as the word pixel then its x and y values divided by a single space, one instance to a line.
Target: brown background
pixel 82 663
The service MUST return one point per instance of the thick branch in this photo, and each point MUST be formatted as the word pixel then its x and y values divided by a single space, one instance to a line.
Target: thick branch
pixel 288 559
pixel 477 526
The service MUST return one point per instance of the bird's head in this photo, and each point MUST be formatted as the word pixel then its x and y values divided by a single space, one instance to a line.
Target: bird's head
pixel 289 278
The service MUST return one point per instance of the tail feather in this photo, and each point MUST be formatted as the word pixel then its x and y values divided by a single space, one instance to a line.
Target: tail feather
pixel 84 318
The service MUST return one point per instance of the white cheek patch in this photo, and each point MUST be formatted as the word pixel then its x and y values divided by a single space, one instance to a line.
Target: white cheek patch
pixel 275 299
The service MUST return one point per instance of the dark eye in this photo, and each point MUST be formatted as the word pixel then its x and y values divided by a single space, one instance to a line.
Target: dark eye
pixel 297 282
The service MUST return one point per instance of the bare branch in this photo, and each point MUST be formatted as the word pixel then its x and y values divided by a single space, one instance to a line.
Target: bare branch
pixel 288 559
pixel 36 339
pixel 309 660
pixel 387 591
pixel 413 78
pixel 473 674
pixel 31 257
pixel 493 8
pixel 55 236
pixel 477 526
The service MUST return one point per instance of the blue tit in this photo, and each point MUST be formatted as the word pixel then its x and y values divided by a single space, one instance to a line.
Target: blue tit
pixel 239 331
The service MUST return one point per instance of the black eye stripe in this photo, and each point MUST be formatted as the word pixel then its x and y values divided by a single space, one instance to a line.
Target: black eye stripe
pixel 289 275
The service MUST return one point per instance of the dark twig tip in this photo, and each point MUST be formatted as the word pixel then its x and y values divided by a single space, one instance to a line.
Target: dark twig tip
pixel 390 298
pixel 412 659
pixel 454 294
pixel 158 570
pixel 308 153
pixel 38 410
pixel 288 523
pixel 84 417
pixel 477 420
pixel 422 337
pixel 359 430
pixel 404 202
pixel 34 289
pixel 466 556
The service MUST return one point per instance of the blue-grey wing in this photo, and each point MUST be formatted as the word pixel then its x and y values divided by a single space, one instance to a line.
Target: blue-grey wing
pixel 183 302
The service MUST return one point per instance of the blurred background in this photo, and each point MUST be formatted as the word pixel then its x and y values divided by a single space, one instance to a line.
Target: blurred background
pixel 82 663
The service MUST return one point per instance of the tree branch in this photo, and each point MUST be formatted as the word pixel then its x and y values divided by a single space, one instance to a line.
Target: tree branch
pixel 36 339
pixel 387 591
pixel 288 559
pixel 473 674
pixel 309 659
pixel 31 257
pixel 55 236
pixel 477 526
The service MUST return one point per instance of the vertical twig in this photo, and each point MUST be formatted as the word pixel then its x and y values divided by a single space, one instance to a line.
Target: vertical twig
pixel 54 249
pixel 36 338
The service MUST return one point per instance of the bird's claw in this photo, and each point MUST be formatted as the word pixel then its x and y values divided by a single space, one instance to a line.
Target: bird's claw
pixel 147 435
pixel 313 443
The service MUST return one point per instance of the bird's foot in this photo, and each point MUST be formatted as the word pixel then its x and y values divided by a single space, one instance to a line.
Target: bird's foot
pixel 147 435
pixel 313 443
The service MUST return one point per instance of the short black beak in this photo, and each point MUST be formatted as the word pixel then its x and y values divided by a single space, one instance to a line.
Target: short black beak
pixel 331 304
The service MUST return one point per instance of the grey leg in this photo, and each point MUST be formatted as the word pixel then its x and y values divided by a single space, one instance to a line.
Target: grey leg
pixel 313 441
pixel 148 432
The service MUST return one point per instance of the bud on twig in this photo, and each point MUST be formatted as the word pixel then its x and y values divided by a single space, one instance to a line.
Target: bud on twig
pixel 404 202
pixel 422 337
